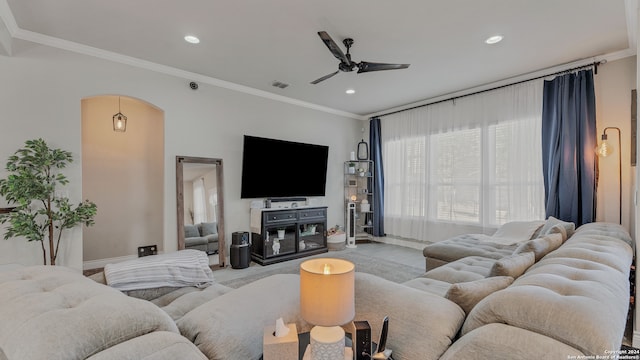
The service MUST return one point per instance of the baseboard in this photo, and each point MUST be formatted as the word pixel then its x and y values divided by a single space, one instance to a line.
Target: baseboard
pixel 100 263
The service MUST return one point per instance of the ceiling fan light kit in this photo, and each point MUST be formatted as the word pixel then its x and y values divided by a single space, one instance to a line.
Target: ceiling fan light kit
pixel 346 64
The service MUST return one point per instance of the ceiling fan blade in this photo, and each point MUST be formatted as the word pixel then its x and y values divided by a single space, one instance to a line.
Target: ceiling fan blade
pixel 364 66
pixel 324 78
pixel 333 47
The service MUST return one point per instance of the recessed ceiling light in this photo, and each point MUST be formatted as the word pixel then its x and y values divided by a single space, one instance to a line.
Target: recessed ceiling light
pixel 494 39
pixel 350 91
pixel 191 39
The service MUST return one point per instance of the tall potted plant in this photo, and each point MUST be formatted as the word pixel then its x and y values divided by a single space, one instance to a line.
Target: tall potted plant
pixel 41 211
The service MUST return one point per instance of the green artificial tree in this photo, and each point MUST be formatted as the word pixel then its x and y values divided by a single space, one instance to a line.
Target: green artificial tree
pixel 40 209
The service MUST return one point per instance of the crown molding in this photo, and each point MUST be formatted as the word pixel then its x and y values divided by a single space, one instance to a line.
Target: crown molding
pixel 6 17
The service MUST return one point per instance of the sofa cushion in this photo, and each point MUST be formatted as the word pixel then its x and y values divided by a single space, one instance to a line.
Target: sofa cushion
pixel 606 231
pixel 540 246
pixel 504 342
pixel 468 294
pixel 516 232
pixel 463 246
pixel 191 231
pixel 466 269
pixel 191 300
pixel 551 222
pixel 514 265
pixel 579 302
pixel 437 319
pixel 159 345
pixel 208 228
pixel 36 301
pixel 433 286
pixel 231 325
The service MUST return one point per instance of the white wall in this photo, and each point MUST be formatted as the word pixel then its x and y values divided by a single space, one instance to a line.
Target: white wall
pixel 613 86
pixel 41 93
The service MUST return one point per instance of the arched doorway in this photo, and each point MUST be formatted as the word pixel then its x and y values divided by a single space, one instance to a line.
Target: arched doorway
pixel 123 173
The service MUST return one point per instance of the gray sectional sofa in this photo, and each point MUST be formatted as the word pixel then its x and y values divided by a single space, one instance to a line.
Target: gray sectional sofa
pixel 554 298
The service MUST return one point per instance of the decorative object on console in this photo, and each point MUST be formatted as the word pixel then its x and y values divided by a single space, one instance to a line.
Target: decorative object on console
pixel 363 150
pixel 327 291
pixel 42 210
pixel 119 120
pixel 604 150
pixel 364 205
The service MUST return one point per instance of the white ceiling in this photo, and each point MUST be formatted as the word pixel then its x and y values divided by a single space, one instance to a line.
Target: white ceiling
pixel 246 45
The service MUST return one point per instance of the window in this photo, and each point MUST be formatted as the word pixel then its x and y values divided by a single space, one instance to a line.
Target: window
pixel 457 167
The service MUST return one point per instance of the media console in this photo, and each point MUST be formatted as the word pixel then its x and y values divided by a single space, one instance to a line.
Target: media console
pixel 284 234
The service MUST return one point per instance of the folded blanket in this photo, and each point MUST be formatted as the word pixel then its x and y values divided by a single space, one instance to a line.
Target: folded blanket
pixel 177 269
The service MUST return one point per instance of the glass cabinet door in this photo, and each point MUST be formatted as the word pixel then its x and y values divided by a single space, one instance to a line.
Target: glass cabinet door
pixel 311 236
pixel 279 240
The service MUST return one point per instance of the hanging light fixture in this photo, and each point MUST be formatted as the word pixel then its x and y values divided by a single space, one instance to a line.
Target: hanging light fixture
pixel 119 120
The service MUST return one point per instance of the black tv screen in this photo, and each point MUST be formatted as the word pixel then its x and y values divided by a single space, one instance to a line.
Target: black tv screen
pixel 277 168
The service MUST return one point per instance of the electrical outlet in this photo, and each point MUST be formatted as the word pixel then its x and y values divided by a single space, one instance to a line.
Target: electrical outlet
pixel 147 250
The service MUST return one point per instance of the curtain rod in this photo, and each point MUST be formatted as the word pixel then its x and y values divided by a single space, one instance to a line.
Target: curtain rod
pixel 594 65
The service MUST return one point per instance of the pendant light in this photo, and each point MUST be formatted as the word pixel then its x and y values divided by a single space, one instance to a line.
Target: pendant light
pixel 119 120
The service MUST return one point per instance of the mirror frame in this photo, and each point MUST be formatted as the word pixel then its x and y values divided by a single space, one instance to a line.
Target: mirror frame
pixel 180 161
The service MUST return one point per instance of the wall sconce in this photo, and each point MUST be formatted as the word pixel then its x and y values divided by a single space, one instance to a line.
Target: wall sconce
pixel 119 120
pixel 605 149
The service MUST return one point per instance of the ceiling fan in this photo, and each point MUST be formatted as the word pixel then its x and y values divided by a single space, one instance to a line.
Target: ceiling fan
pixel 346 64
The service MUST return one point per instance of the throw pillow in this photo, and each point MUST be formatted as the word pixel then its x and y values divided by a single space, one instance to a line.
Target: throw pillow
pixel 559 229
pixel 191 231
pixel 468 294
pixel 514 265
pixel 516 231
pixel 540 246
pixel 210 228
pixel 551 222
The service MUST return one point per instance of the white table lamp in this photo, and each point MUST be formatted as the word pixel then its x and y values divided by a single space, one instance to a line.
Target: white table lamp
pixel 327 301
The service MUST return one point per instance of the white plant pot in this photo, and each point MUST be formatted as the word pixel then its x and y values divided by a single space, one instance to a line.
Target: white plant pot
pixel 280 234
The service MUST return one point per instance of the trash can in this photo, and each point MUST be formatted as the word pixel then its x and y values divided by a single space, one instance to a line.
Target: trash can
pixel 240 256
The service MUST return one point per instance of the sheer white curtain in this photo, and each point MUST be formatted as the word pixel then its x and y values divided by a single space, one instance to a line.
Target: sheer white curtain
pixel 464 166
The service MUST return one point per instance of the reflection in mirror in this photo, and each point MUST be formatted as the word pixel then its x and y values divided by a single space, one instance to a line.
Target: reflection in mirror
pixel 199 192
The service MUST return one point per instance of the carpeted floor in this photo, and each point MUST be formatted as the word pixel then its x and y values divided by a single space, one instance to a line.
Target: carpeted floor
pixel 387 269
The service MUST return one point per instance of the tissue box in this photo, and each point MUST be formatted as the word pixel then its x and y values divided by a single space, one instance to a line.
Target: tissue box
pixel 280 348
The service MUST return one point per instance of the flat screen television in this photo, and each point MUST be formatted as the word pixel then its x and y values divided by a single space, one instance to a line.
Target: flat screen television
pixel 277 168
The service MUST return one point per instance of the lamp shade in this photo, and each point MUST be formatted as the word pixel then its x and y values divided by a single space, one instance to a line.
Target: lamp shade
pixel 327 291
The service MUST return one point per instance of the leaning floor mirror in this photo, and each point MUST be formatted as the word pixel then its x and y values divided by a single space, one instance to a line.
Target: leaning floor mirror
pixel 199 198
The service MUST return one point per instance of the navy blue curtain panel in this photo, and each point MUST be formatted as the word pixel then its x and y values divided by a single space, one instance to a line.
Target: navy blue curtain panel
pixel 568 141
pixel 375 141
